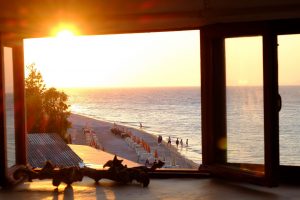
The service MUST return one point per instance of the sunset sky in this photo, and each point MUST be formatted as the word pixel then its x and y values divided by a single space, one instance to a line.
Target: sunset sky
pixel 244 60
pixel 124 60
pixel 150 60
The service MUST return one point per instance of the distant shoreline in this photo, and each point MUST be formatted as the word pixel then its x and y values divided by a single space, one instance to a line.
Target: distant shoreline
pixel 129 87
pixel 155 87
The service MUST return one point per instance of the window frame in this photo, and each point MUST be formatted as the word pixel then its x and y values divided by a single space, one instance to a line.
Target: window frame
pixel 214 100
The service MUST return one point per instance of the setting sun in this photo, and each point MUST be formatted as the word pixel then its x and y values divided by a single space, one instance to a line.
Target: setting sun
pixel 64 30
pixel 65 34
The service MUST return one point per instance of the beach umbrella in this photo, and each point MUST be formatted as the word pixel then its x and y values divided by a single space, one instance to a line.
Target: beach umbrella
pixel 149 150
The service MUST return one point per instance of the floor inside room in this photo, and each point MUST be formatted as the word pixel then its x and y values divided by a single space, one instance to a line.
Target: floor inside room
pixel 157 189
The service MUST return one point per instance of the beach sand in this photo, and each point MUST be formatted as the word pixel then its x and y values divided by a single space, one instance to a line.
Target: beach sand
pixel 117 145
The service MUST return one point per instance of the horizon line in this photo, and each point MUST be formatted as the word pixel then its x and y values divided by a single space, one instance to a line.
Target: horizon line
pixel 136 87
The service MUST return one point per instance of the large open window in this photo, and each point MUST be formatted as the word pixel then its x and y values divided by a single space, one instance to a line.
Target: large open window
pixel 126 92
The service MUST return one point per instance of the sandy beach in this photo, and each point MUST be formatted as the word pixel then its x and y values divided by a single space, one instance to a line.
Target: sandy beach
pixel 123 147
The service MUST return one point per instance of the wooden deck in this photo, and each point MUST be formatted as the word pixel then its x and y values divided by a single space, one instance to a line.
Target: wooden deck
pixel 96 158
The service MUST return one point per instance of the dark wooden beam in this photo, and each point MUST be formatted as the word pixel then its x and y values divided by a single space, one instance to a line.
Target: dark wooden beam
pixel 19 98
pixel 271 110
pixel 3 156
pixel 219 100
pixel 206 96
pixel 213 97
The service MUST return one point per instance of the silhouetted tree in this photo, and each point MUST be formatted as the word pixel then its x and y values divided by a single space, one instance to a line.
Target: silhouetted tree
pixel 47 110
pixel 56 111
pixel 34 89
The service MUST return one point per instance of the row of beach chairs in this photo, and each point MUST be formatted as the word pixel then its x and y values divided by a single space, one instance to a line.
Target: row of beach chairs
pixel 91 138
pixel 142 154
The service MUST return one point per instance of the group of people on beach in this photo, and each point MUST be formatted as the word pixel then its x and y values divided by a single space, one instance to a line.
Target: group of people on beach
pixel 147 154
pixel 177 142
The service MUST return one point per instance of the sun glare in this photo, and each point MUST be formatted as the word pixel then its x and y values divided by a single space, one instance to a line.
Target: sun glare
pixel 64 30
pixel 65 34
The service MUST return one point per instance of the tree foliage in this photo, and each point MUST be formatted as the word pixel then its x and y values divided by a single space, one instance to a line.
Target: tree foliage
pixel 47 109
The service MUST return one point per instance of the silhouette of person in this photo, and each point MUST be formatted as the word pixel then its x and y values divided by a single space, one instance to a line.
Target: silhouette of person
pixel 181 142
pixel 187 142
pixel 177 142
pixel 169 141
pixel 159 139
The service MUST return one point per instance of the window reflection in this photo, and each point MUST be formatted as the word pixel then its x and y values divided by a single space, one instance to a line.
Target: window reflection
pixel 9 104
pixel 245 128
pixel 289 89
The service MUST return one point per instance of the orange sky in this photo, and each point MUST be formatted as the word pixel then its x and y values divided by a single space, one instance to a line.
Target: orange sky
pixel 8 70
pixel 149 60
pixel 244 60
pixel 124 60
pixel 289 59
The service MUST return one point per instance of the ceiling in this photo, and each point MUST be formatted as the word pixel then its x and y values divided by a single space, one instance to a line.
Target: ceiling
pixel 36 18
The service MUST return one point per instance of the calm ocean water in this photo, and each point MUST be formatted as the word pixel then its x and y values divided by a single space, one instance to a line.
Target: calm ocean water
pixel 173 112
pixel 10 129
pixel 176 112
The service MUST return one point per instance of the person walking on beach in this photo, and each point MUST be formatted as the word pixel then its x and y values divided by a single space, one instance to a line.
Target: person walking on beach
pixel 177 142
pixel 141 125
pixel 169 141
pixel 187 142
pixel 181 143
pixel 159 139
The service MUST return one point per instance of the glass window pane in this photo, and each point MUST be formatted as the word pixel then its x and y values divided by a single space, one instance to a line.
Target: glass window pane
pixel 244 90
pixel 9 103
pixel 289 89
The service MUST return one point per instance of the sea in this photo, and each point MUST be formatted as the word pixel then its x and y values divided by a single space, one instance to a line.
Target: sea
pixel 176 112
